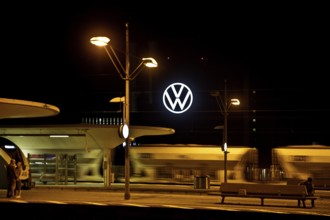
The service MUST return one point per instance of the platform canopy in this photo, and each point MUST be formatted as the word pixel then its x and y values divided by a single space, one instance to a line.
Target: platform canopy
pixel 15 108
pixel 74 136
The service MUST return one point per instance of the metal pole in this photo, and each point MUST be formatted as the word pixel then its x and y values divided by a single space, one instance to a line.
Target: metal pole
pixel 127 112
pixel 107 167
pixel 225 133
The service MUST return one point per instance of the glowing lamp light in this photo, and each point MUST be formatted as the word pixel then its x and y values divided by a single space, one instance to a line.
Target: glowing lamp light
pixel 100 41
pixel 235 102
pixel 150 62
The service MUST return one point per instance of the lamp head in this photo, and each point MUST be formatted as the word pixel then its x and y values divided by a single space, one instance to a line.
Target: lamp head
pixel 215 93
pixel 218 127
pixel 234 101
pixel 100 41
pixel 150 62
pixel 118 99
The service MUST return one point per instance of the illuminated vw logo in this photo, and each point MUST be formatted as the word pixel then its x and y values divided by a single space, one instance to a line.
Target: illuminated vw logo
pixel 177 98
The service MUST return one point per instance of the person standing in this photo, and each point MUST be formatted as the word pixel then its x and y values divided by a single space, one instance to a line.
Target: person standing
pixel 11 177
pixel 18 172
pixel 310 188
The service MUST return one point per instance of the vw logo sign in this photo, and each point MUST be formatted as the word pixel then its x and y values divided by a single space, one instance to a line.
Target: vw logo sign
pixel 177 98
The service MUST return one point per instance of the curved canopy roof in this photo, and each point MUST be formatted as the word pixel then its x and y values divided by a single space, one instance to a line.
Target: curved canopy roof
pixel 75 136
pixel 15 108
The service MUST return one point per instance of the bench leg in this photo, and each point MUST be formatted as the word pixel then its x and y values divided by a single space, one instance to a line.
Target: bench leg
pixel 262 201
pixel 303 202
pixel 222 199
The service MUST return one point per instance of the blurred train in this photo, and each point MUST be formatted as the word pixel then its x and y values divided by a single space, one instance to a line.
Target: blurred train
pixel 182 163
pixel 170 163
pixel 10 150
pixel 298 162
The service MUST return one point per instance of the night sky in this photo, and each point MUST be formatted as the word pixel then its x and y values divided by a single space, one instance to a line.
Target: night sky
pixel 274 58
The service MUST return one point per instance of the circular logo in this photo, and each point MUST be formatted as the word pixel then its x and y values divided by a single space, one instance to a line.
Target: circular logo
pixel 177 98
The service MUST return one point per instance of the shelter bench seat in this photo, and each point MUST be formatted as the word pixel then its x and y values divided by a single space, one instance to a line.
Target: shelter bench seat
pixel 266 191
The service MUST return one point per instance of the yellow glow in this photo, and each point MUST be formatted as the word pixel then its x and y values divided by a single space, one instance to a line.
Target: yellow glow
pixel 150 62
pixel 100 41
pixel 235 101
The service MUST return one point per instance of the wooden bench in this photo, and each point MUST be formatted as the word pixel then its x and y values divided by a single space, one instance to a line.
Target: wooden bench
pixel 266 191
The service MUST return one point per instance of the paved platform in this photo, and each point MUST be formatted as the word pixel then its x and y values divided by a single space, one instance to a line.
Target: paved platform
pixel 147 187
pixel 135 187
pixel 152 201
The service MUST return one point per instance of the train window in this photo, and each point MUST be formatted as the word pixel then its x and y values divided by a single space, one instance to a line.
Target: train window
pixel 299 158
pixel 145 156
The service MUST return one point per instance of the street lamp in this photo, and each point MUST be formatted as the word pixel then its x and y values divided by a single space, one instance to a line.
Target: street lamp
pixel 122 100
pixel 126 75
pixel 224 106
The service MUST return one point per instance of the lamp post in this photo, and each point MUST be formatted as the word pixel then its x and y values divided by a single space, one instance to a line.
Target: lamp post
pixel 126 75
pixel 224 106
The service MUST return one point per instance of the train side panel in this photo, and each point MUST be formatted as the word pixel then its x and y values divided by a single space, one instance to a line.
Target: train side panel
pixel 181 163
pixel 303 161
